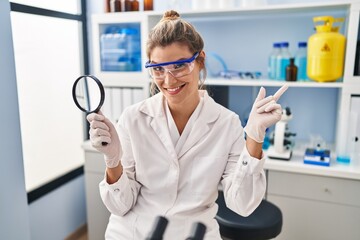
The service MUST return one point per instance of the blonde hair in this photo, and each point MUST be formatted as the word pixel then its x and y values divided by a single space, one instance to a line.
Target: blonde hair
pixel 170 29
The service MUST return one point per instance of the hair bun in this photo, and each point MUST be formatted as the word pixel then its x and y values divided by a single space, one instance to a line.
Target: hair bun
pixel 170 15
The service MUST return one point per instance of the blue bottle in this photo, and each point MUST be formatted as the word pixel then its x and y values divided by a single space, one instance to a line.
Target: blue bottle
pixel 282 61
pixel 301 61
pixel 272 61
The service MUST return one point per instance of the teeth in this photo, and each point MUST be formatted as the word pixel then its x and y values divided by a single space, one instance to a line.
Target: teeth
pixel 173 89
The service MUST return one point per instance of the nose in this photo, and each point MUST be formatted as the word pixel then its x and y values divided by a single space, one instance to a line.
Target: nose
pixel 169 77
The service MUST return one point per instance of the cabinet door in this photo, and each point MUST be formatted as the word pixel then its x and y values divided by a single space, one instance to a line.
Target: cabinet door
pixel 308 219
pixel 97 214
pixel 316 207
pixel 118 41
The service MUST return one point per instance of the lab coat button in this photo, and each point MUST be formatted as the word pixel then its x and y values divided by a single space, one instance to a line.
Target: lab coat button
pixel 116 190
pixel 244 163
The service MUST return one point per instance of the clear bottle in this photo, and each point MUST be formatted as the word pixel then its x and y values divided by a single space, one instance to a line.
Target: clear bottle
pixel 282 61
pixel 301 61
pixel 272 60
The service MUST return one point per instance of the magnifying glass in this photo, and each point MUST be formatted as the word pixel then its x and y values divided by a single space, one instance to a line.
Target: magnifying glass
pixel 88 94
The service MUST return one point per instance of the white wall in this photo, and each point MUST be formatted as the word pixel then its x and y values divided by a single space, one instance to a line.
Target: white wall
pixel 55 215
pixel 59 213
pixel 14 218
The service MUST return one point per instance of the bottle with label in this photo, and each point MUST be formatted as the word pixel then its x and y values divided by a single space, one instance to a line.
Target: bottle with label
pixel 291 71
pixel 282 61
pixel 301 61
pixel 272 61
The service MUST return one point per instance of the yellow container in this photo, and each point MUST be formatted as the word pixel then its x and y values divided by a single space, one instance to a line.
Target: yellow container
pixel 326 51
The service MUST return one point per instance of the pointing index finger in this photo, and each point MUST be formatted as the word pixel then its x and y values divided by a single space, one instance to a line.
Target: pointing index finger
pixel 280 92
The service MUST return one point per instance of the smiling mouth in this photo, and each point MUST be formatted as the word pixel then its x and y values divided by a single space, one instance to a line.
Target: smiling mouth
pixel 174 90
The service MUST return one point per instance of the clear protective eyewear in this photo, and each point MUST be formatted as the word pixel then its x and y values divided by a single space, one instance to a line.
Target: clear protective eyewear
pixel 177 69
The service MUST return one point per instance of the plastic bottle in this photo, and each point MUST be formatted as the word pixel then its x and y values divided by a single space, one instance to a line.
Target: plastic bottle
pixel 272 60
pixel 326 50
pixel 301 61
pixel 291 71
pixel 282 61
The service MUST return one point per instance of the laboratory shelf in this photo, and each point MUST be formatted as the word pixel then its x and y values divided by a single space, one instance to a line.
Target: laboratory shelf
pixel 296 165
pixel 269 83
pixel 259 11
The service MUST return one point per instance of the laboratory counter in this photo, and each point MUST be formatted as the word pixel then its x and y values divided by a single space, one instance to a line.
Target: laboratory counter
pixel 296 165
pixel 309 196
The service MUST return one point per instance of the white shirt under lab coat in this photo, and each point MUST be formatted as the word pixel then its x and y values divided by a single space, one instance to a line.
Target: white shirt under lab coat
pixel 180 182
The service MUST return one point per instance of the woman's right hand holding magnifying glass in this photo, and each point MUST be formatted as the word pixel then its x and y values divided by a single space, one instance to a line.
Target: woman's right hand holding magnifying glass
pixel 102 130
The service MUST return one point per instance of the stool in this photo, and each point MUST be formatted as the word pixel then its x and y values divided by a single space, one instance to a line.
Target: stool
pixel 264 223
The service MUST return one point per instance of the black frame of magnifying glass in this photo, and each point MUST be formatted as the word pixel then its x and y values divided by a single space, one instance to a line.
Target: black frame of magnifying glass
pixel 102 93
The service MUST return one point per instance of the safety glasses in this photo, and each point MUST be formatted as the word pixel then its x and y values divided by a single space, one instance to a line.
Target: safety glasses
pixel 177 69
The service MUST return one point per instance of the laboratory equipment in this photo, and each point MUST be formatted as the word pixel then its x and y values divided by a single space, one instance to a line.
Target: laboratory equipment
pixel 198 231
pixel 148 5
pixel 349 152
pixel 272 60
pixel 158 229
pixel 291 71
pixel 88 94
pixel 317 156
pixel 282 61
pixel 281 140
pixel 326 51
pixel 301 61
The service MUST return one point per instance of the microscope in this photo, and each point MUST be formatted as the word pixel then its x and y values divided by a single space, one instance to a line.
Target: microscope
pixel 281 140
pixel 198 230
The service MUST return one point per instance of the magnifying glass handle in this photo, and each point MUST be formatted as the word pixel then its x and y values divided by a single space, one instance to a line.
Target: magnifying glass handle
pixel 104 143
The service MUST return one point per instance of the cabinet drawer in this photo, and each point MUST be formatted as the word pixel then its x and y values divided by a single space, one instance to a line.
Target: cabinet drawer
pixel 328 189
pixel 94 162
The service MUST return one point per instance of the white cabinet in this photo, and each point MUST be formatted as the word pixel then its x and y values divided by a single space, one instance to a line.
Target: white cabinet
pixel 316 207
pixel 97 214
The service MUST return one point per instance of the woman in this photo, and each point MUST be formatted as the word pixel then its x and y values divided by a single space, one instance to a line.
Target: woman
pixel 171 151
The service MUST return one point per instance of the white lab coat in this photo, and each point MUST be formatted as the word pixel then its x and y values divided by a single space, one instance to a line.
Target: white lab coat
pixel 180 185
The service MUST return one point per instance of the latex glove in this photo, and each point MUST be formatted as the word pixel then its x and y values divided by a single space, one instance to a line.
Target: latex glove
pixel 264 113
pixel 102 130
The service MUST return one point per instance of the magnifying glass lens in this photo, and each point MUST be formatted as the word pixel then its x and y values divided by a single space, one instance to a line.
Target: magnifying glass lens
pixel 88 94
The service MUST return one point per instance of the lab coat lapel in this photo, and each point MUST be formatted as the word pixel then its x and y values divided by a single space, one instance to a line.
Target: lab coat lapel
pixel 154 109
pixel 209 113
